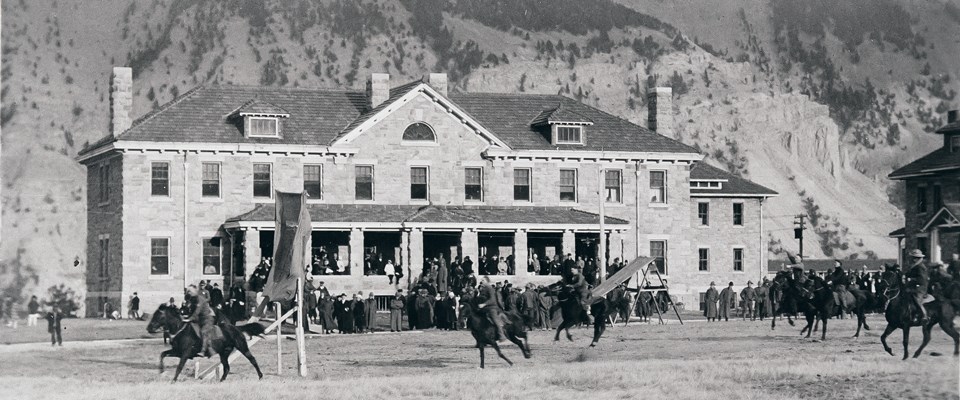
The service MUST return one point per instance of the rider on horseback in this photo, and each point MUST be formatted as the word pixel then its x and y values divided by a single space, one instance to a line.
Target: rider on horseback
pixel 917 279
pixel 839 280
pixel 489 304
pixel 578 283
pixel 204 316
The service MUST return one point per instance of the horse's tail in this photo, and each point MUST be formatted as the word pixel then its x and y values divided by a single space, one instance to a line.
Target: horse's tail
pixel 252 329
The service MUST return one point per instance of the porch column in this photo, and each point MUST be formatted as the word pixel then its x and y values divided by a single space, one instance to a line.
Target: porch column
pixel 251 252
pixel 416 253
pixel 569 243
pixel 356 252
pixel 615 246
pixel 935 245
pixel 520 250
pixel 404 260
pixel 469 244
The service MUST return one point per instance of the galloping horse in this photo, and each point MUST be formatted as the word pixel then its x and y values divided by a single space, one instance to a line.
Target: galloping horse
pixel 902 313
pixel 186 341
pixel 573 313
pixel 821 305
pixel 485 333
pixel 782 299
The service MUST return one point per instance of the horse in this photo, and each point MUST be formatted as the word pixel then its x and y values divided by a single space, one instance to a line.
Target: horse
pixel 818 304
pixel 485 333
pixel 781 302
pixel 902 313
pixel 573 313
pixel 187 343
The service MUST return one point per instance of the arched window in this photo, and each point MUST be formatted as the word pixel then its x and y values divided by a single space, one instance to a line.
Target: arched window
pixel 419 131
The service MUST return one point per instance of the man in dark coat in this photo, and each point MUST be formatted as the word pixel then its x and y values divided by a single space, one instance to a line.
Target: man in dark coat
pixel 359 313
pixel 424 309
pixel 762 294
pixel 204 316
pixel 711 298
pixel 54 327
pixel 487 302
pixel 411 303
pixel 135 306
pixel 544 303
pixel 530 306
pixel 370 307
pixel 728 298
pixel 918 280
pixel 467 266
pixel 216 296
pixel 466 305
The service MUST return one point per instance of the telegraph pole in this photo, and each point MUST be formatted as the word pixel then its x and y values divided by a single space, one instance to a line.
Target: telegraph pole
pixel 798 231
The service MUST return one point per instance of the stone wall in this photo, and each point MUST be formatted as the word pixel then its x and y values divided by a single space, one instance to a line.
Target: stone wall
pixel 104 222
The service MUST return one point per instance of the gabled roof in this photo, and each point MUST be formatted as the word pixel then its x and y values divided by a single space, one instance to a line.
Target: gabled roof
pixel 945 215
pixel 937 161
pixel 953 127
pixel 732 186
pixel 260 107
pixel 559 115
pixel 435 214
pixel 395 94
pixel 899 233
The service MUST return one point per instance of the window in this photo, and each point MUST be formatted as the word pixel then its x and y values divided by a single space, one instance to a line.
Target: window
pixel 703 212
pixel 658 250
pixel 104 183
pixel 261 180
pixel 104 257
pixel 611 182
pixel 211 256
pixel 473 184
pixel 210 187
pixel 568 185
pixel 313 181
pixel 569 135
pixel 159 256
pixel 738 259
pixel 263 127
pixel 922 199
pixel 704 264
pixel 364 182
pixel 658 187
pixel 937 198
pixel 419 131
pixel 160 179
pixel 418 183
pixel 738 214
pixel 955 144
pixel 521 184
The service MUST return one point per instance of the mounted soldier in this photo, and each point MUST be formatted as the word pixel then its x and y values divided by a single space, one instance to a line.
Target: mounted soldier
pixel 839 282
pixel 578 284
pixel 204 316
pixel 488 304
pixel 917 281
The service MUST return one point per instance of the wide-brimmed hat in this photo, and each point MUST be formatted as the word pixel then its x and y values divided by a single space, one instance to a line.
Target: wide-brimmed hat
pixel 713 283
pixel 917 253
pixel 749 282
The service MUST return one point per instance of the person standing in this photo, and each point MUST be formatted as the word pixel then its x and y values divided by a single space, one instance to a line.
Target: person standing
pixel 711 298
pixel 390 270
pixel 443 276
pixel 396 312
pixel 33 311
pixel 530 308
pixel 728 298
pixel 749 297
pixel 411 304
pixel 359 313
pixel 544 304
pixel 326 313
pixel 762 292
pixel 370 307
pixel 54 327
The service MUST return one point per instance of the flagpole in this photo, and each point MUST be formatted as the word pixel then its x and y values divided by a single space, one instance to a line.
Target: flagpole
pixel 301 346
pixel 602 252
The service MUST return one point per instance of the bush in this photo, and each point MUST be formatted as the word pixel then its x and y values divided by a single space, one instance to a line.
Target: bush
pixel 63 297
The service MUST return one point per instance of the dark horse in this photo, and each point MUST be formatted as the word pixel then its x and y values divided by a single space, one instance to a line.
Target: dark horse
pixel 782 302
pixel 902 313
pixel 573 313
pixel 485 333
pixel 815 299
pixel 187 344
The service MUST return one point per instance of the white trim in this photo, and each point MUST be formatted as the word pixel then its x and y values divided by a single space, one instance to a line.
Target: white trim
pixel 152 147
pixel 555 129
pixel 644 158
pixel 419 163
pixel 276 127
pixel 936 215
pixel 160 234
pixel 739 195
pixel 270 225
pixel 437 98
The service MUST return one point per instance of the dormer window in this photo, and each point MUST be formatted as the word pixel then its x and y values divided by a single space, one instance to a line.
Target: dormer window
pixel 569 134
pixel 263 127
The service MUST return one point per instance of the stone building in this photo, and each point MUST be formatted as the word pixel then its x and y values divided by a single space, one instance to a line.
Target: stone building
pixel 403 172
pixel 933 198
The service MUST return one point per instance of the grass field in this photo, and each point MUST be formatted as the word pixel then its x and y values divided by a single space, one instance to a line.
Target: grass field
pixel 734 360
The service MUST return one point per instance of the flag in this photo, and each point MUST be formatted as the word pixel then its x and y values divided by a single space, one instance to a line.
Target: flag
pixel 290 243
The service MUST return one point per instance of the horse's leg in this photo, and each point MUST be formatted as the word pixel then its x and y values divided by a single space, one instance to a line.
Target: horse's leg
pixel 162 355
pixel 183 361
pixel 773 323
pixel 225 361
pixel 569 336
pixel 926 338
pixel 809 328
pixel 906 341
pixel 559 328
pixel 883 337
pixel 480 346
pixel 516 340
pixel 500 353
pixel 823 336
pixel 946 324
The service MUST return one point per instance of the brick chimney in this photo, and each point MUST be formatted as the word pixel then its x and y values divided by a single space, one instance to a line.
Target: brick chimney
pixel 438 82
pixel 952 116
pixel 660 110
pixel 378 89
pixel 121 100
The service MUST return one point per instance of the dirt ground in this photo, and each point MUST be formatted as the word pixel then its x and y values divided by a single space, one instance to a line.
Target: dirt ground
pixel 737 359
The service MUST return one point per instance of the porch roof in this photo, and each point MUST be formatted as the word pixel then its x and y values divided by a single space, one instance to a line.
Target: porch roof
pixel 403 214
pixel 947 215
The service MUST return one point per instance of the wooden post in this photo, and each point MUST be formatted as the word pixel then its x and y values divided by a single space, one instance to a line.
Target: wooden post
pixel 196 369
pixel 279 338
pixel 301 345
pixel 602 250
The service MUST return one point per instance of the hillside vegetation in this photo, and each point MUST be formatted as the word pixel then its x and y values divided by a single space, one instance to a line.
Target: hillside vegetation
pixel 816 99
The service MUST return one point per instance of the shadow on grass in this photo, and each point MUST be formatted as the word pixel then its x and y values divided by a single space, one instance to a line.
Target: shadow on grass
pixel 131 364
pixel 415 363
